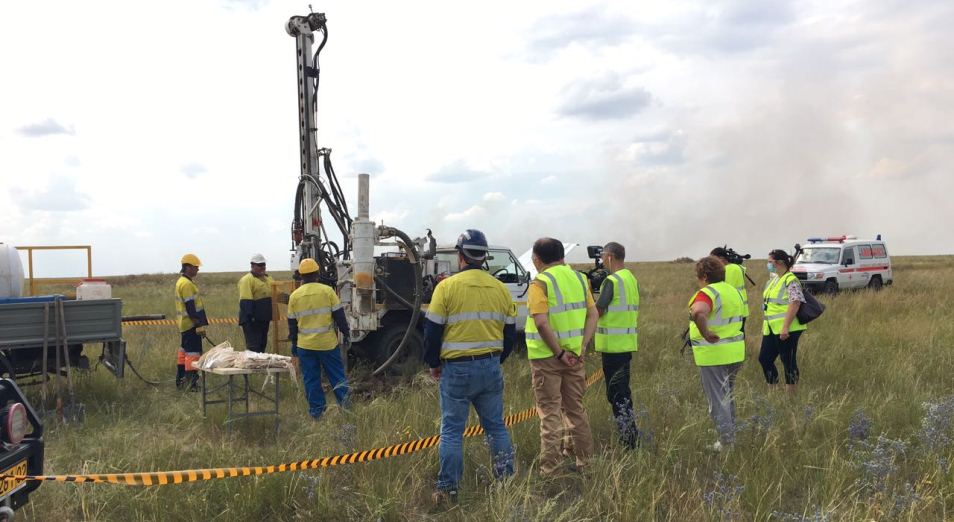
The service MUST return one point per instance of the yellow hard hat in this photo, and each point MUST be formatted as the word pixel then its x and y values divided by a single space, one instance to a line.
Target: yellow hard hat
pixel 191 259
pixel 307 266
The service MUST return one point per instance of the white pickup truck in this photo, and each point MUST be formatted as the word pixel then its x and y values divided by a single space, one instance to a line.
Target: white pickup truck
pixel 514 272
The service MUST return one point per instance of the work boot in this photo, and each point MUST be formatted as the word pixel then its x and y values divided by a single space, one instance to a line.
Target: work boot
pixel 193 378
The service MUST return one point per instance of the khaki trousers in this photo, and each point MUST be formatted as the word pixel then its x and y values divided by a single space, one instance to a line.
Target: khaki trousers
pixel 558 390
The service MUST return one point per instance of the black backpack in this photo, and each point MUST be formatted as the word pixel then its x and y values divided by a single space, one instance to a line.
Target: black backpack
pixel 810 310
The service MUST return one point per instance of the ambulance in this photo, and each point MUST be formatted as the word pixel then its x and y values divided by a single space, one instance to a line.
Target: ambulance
pixel 831 264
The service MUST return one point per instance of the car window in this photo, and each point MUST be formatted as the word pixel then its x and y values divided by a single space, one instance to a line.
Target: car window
pixel 848 256
pixel 450 257
pixel 864 251
pixel 879 251
pixel 502 262
pixel 828 255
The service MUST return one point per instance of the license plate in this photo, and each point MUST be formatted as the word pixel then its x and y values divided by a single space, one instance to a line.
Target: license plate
pixel 7 487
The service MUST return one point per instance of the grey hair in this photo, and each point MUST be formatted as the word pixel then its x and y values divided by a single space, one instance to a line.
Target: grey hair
pixel 616 250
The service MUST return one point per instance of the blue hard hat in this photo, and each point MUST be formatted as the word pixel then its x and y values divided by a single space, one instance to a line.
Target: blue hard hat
pixel 472 244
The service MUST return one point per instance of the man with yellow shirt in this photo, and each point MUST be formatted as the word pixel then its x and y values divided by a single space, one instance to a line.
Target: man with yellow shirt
pixel 192 322
pixel 255 305
pixel 469 331
pixel 561 322
pixel 313 313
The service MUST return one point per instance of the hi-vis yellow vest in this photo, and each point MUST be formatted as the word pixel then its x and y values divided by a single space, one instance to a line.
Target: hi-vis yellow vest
pixel 566 300
pixel 775 304
pixel 474 306
pixel 724 320
pixel 735 277
pixel 616 331
pixel 311 305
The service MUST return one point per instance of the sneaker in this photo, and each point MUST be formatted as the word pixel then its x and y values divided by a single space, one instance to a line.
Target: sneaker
pixel 716 446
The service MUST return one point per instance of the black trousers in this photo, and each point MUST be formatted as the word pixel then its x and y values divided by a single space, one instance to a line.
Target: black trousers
pixel 774 347
pixel 256 335
pixel 616 373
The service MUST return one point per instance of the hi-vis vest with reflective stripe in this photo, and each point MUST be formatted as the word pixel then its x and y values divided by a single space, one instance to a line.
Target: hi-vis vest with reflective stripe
pixel 724 320
pixel 186 291
pixel 474 307
pixel 255 298
pixel 566 300
pixel 735 277
pixel 311 305
pixel 616 330
pixel 775 304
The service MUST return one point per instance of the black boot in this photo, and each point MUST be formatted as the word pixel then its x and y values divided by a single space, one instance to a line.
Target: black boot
pixel 180 376
pixel 193 379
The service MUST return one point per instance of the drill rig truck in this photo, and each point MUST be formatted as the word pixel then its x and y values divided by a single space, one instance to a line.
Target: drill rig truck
pixel 383 277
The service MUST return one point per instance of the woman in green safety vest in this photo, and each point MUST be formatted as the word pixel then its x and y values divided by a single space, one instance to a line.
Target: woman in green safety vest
pixel 781 328
pixel 718 345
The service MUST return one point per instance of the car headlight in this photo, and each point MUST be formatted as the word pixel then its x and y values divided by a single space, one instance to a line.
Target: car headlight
pixel 818 275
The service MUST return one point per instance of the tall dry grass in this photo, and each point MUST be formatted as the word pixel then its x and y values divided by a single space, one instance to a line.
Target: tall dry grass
pixel 868 437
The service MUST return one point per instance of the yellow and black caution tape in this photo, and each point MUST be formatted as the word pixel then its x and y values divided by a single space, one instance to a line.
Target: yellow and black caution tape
pixel 173 322
pixel 162 478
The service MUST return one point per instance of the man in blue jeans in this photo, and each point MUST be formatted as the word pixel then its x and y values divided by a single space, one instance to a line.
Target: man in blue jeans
pixel 469 330
pixel 313 313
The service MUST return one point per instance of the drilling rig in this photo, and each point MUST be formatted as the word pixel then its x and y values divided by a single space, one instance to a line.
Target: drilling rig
pixel 382 294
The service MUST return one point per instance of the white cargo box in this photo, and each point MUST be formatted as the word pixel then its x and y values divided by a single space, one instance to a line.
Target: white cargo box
pixel 90 289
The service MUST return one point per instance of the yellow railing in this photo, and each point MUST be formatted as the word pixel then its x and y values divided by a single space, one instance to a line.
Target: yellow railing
pixel 36 282
pixel 280 292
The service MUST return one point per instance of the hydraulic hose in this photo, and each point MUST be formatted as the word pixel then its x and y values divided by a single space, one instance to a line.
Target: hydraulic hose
pixel 412 254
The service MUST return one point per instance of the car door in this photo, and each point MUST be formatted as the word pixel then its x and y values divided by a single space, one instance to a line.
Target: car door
pixel 507 269
pixel 866 263
pixel 849 266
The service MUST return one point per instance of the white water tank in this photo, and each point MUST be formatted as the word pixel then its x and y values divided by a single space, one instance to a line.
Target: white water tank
pixel 11 272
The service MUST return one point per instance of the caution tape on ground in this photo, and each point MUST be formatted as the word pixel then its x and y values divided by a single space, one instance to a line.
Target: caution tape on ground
pixel 162 478
pixel 172 322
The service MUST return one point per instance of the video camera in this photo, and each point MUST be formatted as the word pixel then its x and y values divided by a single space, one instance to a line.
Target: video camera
pixel 598 273
pixel 735 257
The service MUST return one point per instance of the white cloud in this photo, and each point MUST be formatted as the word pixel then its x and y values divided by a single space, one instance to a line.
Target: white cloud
pixel 659 103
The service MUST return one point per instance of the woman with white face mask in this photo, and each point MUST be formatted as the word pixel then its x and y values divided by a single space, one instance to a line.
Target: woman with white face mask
pixel 781 328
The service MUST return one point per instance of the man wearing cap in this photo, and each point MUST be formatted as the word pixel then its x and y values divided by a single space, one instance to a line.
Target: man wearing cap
pixel 469 331
pixel 192 322
pixel 255 305
pixel 313 313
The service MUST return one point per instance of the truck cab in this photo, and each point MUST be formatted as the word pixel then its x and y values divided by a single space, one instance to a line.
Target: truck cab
pixel 503 265
pixel 836 263
pixel 21 450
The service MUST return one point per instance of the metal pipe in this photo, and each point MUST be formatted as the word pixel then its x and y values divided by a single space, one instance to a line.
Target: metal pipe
pixel 364 196
pixel 364 236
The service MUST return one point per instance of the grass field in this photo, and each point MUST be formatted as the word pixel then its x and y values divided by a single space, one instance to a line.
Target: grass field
pixel 868 437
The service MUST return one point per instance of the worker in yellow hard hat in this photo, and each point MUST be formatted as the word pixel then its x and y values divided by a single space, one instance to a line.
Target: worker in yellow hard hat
pixel 255 304
pixel 314 312
pixel 192 322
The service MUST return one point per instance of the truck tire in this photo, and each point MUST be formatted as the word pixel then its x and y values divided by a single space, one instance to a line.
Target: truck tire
pixel 831 287
pixel 875 283
pixel 386 340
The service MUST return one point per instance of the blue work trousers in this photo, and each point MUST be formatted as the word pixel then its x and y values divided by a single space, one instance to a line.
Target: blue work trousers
pixel 479 383
pixel 311 363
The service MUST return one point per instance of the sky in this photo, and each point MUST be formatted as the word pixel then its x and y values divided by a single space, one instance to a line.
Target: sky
pixel 151 130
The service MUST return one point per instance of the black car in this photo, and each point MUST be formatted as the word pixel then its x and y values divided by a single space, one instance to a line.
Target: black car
pixel 21 447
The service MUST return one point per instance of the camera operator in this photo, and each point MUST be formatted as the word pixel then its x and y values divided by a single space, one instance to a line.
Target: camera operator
pixel 734 274
pixel 618 307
